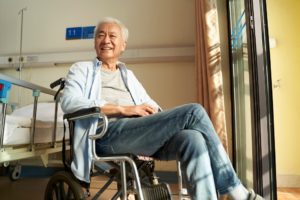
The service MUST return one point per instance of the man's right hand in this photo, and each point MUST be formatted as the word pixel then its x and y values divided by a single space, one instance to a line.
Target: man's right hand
pixel 139 110
pixel 129 111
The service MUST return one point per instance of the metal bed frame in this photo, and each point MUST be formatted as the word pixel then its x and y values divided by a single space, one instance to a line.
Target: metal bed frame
pixel 9 153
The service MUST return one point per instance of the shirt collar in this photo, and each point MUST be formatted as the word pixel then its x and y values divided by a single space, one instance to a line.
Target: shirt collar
pixel 98 63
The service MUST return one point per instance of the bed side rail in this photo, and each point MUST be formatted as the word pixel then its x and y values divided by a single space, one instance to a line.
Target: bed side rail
pixel 36 90
pixel 27 85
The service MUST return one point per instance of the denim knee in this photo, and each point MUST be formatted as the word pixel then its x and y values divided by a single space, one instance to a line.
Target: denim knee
pixel 191 144
pixel 197 111
pixel 195 107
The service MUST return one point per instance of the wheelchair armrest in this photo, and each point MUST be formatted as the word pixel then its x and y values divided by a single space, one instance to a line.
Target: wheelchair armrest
pixel 83 113
pixel 93 112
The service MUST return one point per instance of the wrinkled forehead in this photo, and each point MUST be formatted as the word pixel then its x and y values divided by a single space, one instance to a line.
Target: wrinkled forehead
pixel 109 28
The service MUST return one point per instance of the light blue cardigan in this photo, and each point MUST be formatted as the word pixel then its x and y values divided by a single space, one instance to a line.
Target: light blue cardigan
pixel 82 90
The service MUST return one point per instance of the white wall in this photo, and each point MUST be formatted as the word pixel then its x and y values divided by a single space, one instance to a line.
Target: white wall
pixel 155 23
pixel 167 83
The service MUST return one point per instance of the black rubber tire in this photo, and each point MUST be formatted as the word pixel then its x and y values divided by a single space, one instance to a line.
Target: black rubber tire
pixel 62 186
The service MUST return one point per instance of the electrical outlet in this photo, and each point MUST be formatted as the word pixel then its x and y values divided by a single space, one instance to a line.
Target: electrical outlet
pixel 31 59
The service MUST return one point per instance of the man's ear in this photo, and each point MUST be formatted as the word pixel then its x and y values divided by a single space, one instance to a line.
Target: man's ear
pixel 124 46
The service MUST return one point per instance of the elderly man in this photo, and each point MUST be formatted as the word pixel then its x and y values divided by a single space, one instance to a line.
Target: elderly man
pixel 137 126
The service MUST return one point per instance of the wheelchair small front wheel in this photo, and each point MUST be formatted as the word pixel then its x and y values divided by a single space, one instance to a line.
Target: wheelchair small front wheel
pixel 15 173
pixel 63 186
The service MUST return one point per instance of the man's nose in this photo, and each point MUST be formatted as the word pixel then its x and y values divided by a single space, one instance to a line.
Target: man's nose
pixel 106 39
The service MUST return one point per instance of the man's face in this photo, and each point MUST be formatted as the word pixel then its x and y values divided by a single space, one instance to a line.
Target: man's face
pixel 109 43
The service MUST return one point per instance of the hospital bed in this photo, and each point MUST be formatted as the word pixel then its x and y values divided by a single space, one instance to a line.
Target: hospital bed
pixel 31 131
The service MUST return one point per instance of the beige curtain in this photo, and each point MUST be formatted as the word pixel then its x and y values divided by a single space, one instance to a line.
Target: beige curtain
pixel 208 64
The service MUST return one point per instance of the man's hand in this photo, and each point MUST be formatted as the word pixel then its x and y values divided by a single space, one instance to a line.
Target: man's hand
pixel 129 111
pixel 139 110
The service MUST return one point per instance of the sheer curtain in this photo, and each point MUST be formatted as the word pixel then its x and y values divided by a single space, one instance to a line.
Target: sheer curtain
pixel 208 65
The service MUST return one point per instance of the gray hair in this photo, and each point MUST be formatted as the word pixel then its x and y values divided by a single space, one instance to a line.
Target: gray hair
pixel 124 30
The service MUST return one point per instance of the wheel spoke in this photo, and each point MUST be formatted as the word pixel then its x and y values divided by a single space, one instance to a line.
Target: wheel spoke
pixel 60 191
pixel 70 194
pixel 57 191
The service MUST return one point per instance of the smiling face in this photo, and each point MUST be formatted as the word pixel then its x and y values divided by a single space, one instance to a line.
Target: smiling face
pixel 109 42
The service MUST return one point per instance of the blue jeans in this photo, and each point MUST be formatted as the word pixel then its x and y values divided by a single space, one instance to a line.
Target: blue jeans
pixel 184 133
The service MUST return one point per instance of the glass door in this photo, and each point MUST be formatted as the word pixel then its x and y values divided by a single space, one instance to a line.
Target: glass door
pixel 241 93
pixel 254 151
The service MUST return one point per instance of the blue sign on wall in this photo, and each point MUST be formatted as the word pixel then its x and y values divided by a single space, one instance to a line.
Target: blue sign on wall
pixel 73 33
pixel 88 32
pixel 77 33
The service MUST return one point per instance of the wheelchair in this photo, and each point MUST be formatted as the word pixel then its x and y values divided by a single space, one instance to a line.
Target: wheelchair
pixel 133 176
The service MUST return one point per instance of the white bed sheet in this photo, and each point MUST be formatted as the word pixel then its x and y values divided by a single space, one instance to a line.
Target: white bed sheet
pixel 18 125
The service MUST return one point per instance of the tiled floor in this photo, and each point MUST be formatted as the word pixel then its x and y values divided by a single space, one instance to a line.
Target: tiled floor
pixel 33 189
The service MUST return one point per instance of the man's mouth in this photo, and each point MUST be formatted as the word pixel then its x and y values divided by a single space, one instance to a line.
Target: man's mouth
pixel 106 48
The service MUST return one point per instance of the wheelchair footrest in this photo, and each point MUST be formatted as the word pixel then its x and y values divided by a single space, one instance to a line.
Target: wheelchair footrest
pixel 157 192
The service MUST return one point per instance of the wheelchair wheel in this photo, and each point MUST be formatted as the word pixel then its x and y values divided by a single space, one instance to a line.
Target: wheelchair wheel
pixel 62 186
